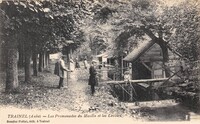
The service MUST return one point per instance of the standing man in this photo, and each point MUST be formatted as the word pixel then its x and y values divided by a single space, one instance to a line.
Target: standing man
pixel 60 70
pixel 93 76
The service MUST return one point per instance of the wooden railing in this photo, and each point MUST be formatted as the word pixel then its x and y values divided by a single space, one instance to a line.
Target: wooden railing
pixel 128 86
pixel 149 81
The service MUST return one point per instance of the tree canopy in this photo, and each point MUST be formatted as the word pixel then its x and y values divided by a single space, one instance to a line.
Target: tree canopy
pixel 175 23
pixel 46 25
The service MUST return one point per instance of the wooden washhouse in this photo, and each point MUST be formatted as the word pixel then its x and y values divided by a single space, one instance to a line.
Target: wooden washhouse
pixel 147 61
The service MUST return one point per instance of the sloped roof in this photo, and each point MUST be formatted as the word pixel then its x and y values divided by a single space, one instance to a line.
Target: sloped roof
pixel 109 53
pixel 102 55
pixel 142 47
pixel 67 42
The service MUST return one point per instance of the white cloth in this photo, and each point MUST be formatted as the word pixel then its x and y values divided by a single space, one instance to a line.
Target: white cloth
pixel 127 77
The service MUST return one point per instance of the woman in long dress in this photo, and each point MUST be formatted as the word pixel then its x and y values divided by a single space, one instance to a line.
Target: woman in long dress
pixel 77 63
pixel 85 63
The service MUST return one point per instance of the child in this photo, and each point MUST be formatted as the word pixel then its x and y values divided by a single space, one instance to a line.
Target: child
pixel 127 76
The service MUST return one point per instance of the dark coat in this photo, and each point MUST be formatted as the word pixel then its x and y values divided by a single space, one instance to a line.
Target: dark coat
pixel 93 76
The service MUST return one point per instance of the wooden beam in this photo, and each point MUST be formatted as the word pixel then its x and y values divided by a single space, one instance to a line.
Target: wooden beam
pixel 140 50
pixel 173 72
pixel 144 85
pixel 146 66
pixel 157 58
pixel 138 81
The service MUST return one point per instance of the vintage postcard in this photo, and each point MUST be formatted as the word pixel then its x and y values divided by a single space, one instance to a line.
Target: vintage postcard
pixel 99 61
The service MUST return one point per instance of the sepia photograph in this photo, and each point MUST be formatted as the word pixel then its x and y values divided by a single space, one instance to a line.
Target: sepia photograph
pixel 99 61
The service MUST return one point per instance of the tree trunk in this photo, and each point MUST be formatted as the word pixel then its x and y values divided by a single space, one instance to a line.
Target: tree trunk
pixel 21 55
pixel 195 51
pixel 165 54
pixel 3 58
pixel 40 68
pixel 44 60
pixel 35 69
pixel 198 78
pixel 27 63
pixel 11 68
pixel 48 60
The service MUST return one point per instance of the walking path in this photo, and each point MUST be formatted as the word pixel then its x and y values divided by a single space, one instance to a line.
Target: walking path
pixel 78 85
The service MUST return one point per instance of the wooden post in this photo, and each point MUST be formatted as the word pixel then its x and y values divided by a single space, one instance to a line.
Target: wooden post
pixel 123 93
pixel 122 67
pixel 153 70
pixel 131 92
pixel 150 90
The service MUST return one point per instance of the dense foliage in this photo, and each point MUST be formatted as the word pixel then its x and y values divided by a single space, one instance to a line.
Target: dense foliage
pixel 177 24
pixel 47 25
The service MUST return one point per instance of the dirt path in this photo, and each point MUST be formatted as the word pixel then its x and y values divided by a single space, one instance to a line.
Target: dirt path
pixel 75 94
pixel 80 90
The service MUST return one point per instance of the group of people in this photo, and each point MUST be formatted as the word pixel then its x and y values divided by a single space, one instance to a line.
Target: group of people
pixel 61 71
pixel 77 65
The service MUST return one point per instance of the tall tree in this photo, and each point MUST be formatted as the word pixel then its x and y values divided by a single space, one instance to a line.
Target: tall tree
pixel 49 24
pixel 8 35
pixel 11 66
pixel 149 18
